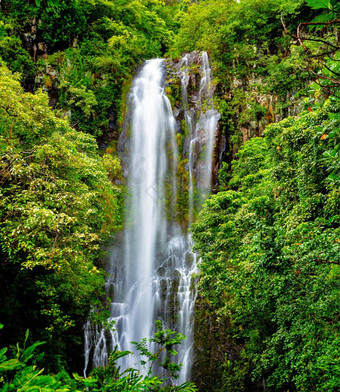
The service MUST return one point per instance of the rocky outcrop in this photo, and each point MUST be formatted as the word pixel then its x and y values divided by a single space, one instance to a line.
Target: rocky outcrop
pixel 194 112
pixel 256 109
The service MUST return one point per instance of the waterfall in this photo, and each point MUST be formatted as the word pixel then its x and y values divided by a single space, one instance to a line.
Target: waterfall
pixel 192 131
pixel 151 266
pixel 206 128
pixel 145 234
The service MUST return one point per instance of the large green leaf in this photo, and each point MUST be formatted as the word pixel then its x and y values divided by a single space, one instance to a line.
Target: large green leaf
pixel 11 364
pixel 319 4
pixel 2 353
pixel 29 352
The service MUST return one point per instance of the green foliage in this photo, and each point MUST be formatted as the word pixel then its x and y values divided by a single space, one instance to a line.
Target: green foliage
pixel 91 47
pixel 217 26
pixel 235 373
pixel 165 340
pixel 60 177
pixel 17 58
pixel 320 44
pixel 270 253
pixel 257 68
pixel 269 244
pixel 110 377
pixel 329 5
pixel 122 34
pixel 330 12
pixel 20 372
pixel 58 207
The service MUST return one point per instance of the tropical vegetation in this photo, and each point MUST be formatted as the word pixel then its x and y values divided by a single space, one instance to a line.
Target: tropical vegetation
pixel 267 313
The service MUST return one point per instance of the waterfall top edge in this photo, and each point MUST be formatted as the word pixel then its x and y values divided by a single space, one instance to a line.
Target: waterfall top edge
pixel 156 60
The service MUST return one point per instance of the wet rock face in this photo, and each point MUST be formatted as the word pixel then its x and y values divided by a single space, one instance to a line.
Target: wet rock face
pixel 220 150
pixel 267 105
pixel 193 109
pixel 189 100
pixel 48 80
pixel 31 42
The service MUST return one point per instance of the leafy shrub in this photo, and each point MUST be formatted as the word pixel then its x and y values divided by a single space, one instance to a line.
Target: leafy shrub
pixel 19 373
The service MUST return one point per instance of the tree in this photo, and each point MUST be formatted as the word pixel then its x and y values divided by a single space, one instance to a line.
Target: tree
pixel 58 207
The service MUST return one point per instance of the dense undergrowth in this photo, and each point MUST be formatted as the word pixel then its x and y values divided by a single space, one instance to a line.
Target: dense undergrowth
pixel 21 371
pixel 269 240
pixel 270 254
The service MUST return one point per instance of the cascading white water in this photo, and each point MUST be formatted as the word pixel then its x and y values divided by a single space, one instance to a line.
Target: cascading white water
pixel 191 131
pixel 145 234
pixel 147 226
pixel 201 133
pixel 151 268
pixel 201 136
pixel 206 128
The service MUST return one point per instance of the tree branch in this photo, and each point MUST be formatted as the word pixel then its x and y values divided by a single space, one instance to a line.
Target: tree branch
pixel 325 77
pixel 326 54
pixel 329 261
pixel 319 40
pixel 320 23
pixel 7 111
